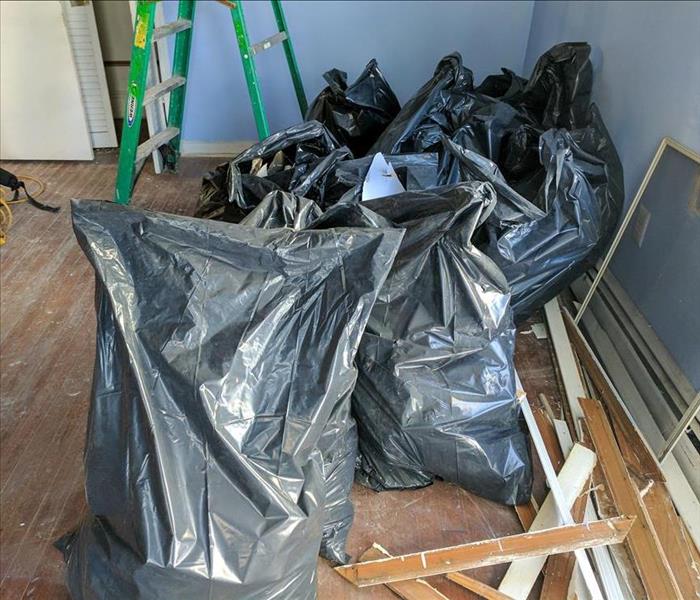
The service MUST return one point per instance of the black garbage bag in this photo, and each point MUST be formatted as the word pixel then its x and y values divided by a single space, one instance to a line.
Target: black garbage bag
pixel 291 158
pixel 543 246
pixel 357 114
pixel 338 443
pixel 221 353
pixel 436 390
pixel 338 446
pixel 583 196
pixel 557 95
pixel 504 85
pixel 283 209
pixel 431 112
pixel 556 209
pixel 558 92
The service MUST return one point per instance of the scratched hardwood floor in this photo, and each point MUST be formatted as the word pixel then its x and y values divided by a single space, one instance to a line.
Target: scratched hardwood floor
pixel 47 328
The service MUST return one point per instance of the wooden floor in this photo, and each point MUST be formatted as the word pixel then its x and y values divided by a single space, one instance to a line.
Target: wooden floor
pixel 47 327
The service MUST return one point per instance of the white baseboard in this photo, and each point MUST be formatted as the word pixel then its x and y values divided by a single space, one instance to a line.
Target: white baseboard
pixel 197 148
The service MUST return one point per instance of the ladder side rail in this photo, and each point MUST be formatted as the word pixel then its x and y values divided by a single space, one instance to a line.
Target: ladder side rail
pixel 249 70
pixel 291 57
pixel 138 73
pixel 155 117
pixel 181 60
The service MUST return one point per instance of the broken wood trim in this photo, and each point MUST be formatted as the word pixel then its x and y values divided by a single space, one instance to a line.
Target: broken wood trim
pixel 560 568
pixel 672 539
pixel 566 361
pixel 633 444
pixel 584 564
pixel 601 554
pixel 412 589
pixel 476 586
pixel 628 576
pixel 566 538
pixel 652 565
pixel 638 450
pixel 549 435
pixel 526 513
pixel 573 479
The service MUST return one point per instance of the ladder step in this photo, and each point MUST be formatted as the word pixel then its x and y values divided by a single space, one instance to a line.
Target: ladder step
pixel 152 144
pixel 162 88
pixel 170 28
pixel 267 43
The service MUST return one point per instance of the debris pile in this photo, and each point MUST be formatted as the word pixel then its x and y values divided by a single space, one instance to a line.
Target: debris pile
pixel 356 324
pixel 540 142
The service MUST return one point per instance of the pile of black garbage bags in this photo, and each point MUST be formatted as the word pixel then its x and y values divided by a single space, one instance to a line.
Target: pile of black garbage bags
pixel 304 331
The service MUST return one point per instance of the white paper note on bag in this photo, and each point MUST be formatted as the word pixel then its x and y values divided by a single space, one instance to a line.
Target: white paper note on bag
pixel 381 180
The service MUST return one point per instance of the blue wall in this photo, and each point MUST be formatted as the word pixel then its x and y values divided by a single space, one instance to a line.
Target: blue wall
pixel 646 61
pixel 407 38
pixel 646 58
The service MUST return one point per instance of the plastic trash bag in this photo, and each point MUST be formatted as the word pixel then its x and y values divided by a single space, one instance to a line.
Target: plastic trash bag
pixel 429 113
pixel 357 114
pixel 558 92
pixel 543 246
pixel 338 443
pixel 301 156
pixel 221 353
pixel 560 191
pixel 283 209
pixel 435 395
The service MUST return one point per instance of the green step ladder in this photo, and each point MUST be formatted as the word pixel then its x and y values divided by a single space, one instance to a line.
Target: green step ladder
pixel 133 155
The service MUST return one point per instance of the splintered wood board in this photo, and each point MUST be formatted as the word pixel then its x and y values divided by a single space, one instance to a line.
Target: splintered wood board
pixel 653 567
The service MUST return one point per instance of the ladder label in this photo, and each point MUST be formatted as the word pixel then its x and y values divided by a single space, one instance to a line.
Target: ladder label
pixel 141 31
pixel 131 106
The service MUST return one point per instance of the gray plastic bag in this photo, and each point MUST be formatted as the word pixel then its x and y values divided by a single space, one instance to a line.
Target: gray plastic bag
pixel 221 354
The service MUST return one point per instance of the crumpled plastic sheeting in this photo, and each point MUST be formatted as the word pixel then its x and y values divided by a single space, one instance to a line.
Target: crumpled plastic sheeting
pixel 435 395
pixel 221 353
pixel 308 153
pixel 357 114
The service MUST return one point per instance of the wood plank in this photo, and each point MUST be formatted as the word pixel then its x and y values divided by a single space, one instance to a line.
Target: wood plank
pixel 476 586
pixel 652 565
pixel 635 447
pixel 675 545
pixel 564 511
pixel 549 435
pixel 560 567
pixel 413 589
pixel 573 479
pixel 566 360
pixel 526 514
pixel 603 554
pixel 566 538
pixel 637 451
pixel 606 510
